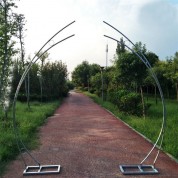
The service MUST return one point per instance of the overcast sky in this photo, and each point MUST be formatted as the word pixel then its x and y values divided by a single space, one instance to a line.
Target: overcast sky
pixel 153 22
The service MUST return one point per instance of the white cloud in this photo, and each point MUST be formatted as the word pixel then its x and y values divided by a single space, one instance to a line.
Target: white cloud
pixel 158 23
pixel 153 22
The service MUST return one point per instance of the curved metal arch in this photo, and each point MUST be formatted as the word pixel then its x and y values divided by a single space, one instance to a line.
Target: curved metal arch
pixel 146 62
pixel 20 144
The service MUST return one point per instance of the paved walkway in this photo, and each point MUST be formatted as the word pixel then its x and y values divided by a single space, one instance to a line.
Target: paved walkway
pixel 89 142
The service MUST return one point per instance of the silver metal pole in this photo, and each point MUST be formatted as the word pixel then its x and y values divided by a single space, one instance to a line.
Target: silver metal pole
pixel 102 95
pixel 106 56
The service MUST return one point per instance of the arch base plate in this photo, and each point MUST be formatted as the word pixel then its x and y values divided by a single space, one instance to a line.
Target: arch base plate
pixel 41 170
pixel 138 169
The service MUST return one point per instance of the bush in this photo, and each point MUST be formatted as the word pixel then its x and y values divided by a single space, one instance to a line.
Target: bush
pixel 129 102
pixel 114 96
pixel 28 122
pixel 70 85
pixel 92 90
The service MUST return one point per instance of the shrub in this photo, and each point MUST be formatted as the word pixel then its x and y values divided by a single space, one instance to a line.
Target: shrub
pixel 129 102
pixel 70 85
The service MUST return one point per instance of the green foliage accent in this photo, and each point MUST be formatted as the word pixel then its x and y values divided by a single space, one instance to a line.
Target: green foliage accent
pixel 126 101
pixel 70 85
pixel 52 81
pixel 28 122
pixel 7 51
pixel 82 74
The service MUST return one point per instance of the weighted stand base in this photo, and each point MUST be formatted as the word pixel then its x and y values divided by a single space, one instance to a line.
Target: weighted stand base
pixel 138 169
pixel 41 170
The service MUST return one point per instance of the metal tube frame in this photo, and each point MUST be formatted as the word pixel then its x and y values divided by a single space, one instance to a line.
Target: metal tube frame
pixel 20 144
pixel 146 62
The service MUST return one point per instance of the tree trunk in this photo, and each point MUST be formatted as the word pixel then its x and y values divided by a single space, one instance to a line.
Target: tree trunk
pixel 5 65
pixel 167 90
pixel 28 93
pixel 177 90
pixel 147 92
pixel 156 95
pixel 143 104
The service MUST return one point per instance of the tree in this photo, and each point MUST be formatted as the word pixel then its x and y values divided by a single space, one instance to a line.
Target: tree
pixel 132 72
pixel 149 80
pixel 80 74
pixel 42 57
pixel 160 69
pixel 120 47
pixel 96 83
pixel 7 50
pixel 20 19
pixel 171 72
pixel 94 69
pixel 175 75
pixel 55 79
pixel 20 35
pixel 140 48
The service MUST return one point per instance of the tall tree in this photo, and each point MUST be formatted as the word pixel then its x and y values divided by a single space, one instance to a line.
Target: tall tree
pixel 120 47
pixel 172 72
pixel 7 50
pixel 163 75
pixel 42 57
pixel 55 79
pixel 81 73
pixel 132 73
pixel 20 19
pixel 140 48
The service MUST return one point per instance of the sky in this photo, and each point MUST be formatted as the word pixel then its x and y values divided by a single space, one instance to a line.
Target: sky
pixel 153 22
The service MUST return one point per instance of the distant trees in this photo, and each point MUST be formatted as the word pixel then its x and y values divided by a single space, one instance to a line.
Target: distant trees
pixel 42 57
pixel 54 81
pixel 80 75
pixel 83 72
pixel 171 72
pixel 175 75
pixel 13 63
pixel 128 79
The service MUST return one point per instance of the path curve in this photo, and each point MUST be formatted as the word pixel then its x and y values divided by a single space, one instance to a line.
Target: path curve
pixel 89 142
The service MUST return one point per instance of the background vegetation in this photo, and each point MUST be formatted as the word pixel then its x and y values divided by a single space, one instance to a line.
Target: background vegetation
pixel 28 122
pixel 41 92
pixel 128 90
pixel 126 87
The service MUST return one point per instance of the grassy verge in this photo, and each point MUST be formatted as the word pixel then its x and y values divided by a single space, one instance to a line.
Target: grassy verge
pixel 28 122
pixel 150 127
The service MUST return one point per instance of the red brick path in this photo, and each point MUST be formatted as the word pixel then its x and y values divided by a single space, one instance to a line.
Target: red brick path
pixel 89 142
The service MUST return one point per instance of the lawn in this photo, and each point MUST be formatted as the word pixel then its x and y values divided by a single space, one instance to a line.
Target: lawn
pixel 28 122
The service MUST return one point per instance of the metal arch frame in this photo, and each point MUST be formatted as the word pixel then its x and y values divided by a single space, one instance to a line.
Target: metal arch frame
pixel 161 133
pixel 39 169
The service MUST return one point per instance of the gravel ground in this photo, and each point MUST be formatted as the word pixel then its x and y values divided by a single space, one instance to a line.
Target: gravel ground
pixel 89 142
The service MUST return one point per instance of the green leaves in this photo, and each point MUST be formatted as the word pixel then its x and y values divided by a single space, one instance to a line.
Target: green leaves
pixel 7 50
pixel 126 101
pixel 82 73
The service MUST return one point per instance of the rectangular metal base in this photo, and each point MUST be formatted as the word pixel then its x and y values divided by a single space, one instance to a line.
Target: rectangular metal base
pixel 138 169
pixel 42 169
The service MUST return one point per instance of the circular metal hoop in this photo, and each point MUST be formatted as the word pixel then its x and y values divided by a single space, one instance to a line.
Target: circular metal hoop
pixel 146 62
pixel 20 144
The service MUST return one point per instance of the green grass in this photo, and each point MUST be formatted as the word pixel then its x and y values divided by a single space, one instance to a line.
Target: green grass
pixel 150 126
pixel 28 122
